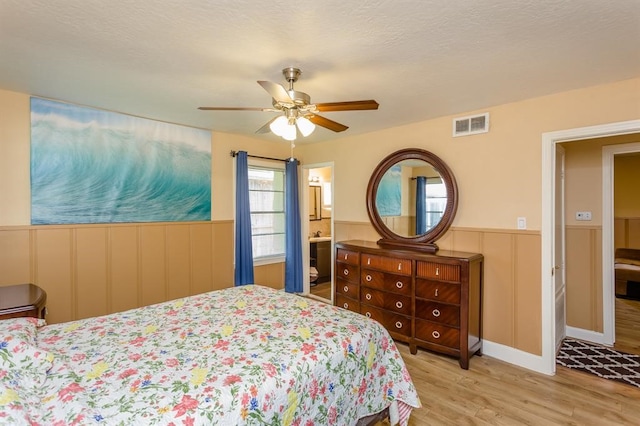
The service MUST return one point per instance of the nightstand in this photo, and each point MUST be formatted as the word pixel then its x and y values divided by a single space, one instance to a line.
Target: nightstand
pixel 22 300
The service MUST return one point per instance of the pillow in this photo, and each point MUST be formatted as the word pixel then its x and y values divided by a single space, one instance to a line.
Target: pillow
pixel 21 361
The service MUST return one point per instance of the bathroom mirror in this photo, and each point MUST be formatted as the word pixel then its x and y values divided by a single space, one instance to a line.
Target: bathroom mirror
pixel 412 199
pixel 315 203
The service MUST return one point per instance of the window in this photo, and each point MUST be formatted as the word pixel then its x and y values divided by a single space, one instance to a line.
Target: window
pixel 436 199
pixel 266 198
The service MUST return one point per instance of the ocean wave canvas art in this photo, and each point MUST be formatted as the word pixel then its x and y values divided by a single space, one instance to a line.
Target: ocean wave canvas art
pixel 388 196
pixel 95 166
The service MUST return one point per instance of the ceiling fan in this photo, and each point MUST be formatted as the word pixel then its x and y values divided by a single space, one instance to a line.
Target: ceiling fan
pixel 299 114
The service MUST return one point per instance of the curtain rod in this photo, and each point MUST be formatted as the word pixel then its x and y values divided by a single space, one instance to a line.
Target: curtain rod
pixel 427 177
pixel 234 153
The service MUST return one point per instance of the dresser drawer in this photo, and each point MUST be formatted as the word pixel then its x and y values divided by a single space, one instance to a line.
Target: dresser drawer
pixel 347 288
pixel 399 284
pixel 348 272
pixel 347 303
pixel 388 264
pixel 437 333
pixel 348 256
pixel 438 271
pixel 438 290
pixel 393 322
pixel 389 301
pixel 438 312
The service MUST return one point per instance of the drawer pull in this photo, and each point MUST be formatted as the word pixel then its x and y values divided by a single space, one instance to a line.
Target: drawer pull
pixel 368 261
pixel 368 278
pixel 368 296
pixel 346 306
pixel 436 313
pixel 345 289
pixel 399 304
pixel 435 334
pixel 345 272
pixel 399 266
pixel 437 271
pixel 436 295
pixel 368 315
pixel 399 284
pixel 398 324
pixel 346 256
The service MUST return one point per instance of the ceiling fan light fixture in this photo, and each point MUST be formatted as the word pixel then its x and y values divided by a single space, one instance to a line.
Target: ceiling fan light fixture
pixel 289 132
pixel 279 125
pixel 305 126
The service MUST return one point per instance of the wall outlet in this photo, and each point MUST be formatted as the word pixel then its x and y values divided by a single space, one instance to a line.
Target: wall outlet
pixel 583 215
pixel 522 223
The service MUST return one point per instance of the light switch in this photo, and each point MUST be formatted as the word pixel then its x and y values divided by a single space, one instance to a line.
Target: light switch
pixel 583 215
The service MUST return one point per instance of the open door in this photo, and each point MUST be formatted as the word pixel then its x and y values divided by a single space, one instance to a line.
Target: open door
pixel 559 273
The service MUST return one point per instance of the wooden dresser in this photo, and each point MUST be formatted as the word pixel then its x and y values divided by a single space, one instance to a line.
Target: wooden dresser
pixel 433 301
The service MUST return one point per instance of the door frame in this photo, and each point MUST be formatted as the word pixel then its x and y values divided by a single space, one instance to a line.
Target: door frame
pixel 560 277
pixel 549 141
pixel 304 212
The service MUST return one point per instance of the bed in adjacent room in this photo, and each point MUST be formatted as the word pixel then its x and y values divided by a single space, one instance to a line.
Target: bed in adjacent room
pixel 240 356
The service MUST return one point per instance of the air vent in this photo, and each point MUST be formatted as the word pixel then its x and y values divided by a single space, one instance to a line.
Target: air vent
pixel 471 125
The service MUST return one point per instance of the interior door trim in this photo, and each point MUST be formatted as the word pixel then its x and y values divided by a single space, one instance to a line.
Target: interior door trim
pixel 549 140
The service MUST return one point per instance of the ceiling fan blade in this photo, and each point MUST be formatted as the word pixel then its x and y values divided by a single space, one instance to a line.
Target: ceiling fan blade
pixel 266 128
pixel 235 109
pixel 326 123
pixel 348 106
pixel 276 91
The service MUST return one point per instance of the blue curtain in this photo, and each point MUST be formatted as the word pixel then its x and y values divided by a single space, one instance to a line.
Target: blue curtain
pixel 421 205
pixel 293 244
pixel 244 249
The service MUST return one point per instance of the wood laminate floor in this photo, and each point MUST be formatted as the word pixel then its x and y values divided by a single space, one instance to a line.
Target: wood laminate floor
pixel 493 392
pixel 322 290
pixel 628 326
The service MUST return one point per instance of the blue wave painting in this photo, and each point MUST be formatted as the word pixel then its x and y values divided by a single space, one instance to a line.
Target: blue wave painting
pixel 388 195
pixel 94 166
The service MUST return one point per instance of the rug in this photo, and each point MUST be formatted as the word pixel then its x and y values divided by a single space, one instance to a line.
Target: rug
pixel 600 360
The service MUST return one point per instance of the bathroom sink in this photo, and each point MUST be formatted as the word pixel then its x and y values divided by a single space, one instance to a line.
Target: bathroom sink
pixel 319 239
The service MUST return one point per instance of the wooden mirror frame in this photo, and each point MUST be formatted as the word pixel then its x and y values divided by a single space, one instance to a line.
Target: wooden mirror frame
pixel 424 242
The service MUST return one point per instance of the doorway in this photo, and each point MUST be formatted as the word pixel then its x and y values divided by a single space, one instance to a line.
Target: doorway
pixel 549 308
pixel 318 256
pixel 621 336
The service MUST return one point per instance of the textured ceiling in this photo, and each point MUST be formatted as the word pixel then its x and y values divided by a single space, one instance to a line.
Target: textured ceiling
pixel 419 59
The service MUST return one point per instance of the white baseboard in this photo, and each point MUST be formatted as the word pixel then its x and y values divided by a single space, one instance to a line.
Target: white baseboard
pixel 516 357
pixel 588 335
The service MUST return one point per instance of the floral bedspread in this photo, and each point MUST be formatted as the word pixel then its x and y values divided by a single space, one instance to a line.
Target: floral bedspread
pixel 246 355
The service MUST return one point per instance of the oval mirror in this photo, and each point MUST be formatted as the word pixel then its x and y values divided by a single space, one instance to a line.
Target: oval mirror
pixel 412 198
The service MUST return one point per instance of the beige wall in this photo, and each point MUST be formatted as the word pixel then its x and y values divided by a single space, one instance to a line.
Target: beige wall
pixel 498 175
pixel 90 270
pixel 626 185
pixel 626 200
pixel 583 192
pixel 15 192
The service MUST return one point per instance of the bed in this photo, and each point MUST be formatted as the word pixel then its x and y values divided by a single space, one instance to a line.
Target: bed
pixel 627 273
pixel 246 355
